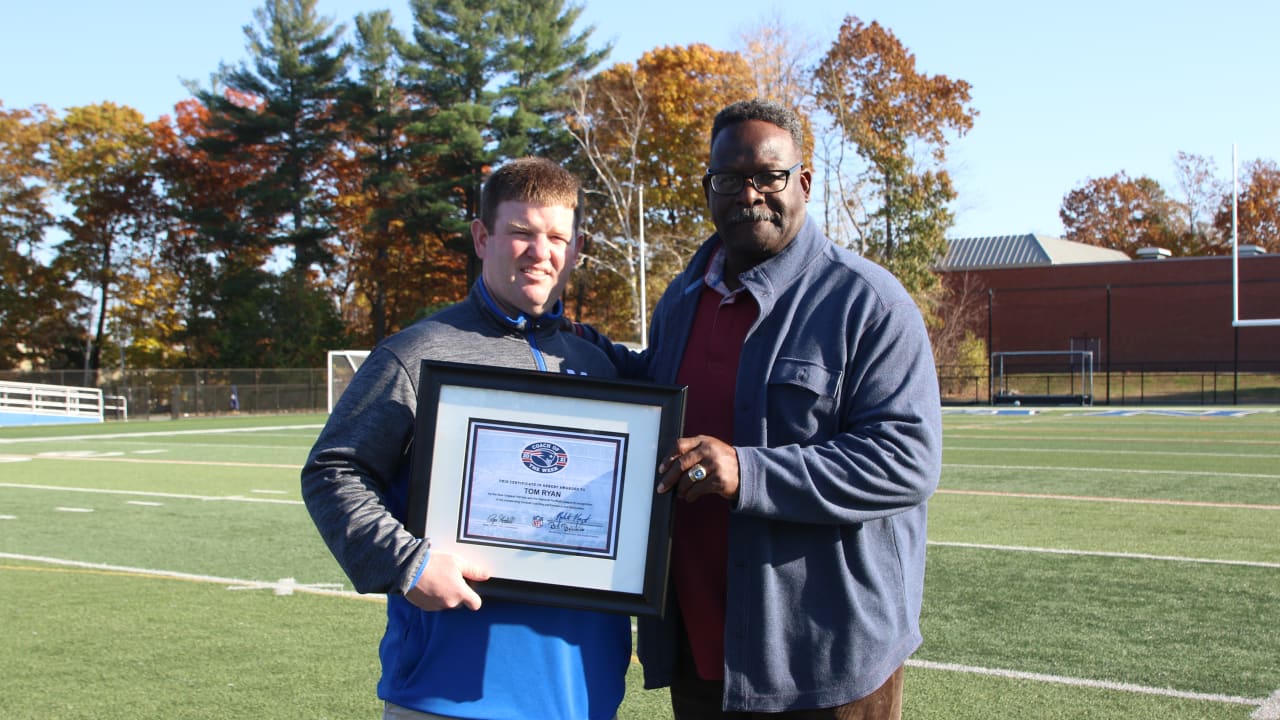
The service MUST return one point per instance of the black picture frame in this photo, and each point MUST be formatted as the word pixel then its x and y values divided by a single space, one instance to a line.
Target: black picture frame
pixel 609 549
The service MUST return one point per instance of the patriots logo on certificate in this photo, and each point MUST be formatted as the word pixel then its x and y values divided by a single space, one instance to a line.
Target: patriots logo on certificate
pixel 544 457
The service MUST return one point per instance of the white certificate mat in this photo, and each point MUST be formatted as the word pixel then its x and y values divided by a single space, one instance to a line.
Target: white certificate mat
pixel 547 481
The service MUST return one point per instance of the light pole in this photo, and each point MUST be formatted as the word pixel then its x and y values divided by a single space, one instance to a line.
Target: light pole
pixel 644 306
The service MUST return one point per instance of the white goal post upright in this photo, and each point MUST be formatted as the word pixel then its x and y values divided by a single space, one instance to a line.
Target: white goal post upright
pixel 342 367
pixel 1235 254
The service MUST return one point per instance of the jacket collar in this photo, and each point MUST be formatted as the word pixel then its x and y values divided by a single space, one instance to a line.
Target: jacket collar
pixel 776 272
pixel 520 323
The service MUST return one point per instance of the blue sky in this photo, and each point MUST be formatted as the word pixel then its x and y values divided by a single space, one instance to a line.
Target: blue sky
pixel 1066 91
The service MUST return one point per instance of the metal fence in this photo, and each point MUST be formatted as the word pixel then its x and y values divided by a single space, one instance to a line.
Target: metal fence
pixel 182 393
pixel 1129 384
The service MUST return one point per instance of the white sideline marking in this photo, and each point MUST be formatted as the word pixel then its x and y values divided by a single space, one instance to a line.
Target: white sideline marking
pixel 144 493
pixel 1111 451
pixel 8 517
pixel 144 503
pixel 1270 709
pixel 221 446
pixel 961 434
pixel 284 586
pixel 1100 498
pixel 1103 553
pixel 74 509
pixel 166 433
pixel 1083 682
pixel 113 457
pixel 14 458
pixel 1128 471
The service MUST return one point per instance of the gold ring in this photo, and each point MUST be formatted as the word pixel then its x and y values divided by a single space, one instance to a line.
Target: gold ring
pixel 697 473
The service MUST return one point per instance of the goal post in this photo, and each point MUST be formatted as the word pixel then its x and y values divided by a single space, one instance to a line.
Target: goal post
pixel 1236 320
pixel 1042 377
pixel 342 367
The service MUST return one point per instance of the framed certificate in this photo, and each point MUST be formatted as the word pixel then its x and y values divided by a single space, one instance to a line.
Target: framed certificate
pixel 548 481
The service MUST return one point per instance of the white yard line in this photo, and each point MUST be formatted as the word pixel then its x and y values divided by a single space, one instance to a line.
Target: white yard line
pixel 1105 499
pixel 1110 452
pixel 158 433
pixel 153 447
pixel 283 586
pixel 1267 708
pixel 143 493
pixel 148 461
pixel 1124 471
pixel 1115 438
pixel 1103 553
pixel 1270 709
pixel 1087 683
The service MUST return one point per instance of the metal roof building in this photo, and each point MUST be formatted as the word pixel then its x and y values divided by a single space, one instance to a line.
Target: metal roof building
pixel 1019 251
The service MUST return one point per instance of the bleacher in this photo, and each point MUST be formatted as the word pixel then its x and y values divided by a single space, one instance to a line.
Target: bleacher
pixel 36 404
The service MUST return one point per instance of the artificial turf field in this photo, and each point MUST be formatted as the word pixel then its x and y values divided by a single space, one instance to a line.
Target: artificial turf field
pixel 1084 563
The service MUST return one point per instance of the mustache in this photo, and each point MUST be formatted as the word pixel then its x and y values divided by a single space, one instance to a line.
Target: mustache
pixel 754 215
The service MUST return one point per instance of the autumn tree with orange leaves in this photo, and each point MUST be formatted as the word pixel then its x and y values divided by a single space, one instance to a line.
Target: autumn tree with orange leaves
pixel 1200 193
pixel 103 159
pixel 899 122
pixel 646 128
pixel 1127 213
pixel 1118 212
pixel 1257 213
pixel 41 318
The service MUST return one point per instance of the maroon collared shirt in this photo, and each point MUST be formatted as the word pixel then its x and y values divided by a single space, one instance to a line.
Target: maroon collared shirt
pixel 700 541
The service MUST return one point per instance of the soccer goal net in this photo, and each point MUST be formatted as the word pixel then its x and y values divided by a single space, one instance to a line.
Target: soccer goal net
pixel 342 367
pixel 1042 377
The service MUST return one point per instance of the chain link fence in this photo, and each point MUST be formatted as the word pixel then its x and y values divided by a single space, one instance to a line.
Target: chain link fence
pixel 184 393
pixel 1129 384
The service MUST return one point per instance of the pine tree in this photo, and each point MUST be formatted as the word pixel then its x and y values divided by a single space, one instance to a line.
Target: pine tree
pixel 297 67
pixel 374 112
pixel 544 59
pixel 488 77
pixel 278 116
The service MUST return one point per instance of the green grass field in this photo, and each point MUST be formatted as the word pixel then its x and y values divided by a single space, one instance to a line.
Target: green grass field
pixel 1082 564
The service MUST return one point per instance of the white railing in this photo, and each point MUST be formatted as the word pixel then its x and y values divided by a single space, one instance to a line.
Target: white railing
pixel 58 401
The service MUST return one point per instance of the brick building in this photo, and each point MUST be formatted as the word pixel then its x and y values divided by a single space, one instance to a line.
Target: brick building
pixel 1035 293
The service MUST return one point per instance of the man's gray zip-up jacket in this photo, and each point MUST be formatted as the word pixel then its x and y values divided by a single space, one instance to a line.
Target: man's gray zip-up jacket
pixel 359 467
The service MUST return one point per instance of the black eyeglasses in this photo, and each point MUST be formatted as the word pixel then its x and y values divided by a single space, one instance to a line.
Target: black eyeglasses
pixel 765 182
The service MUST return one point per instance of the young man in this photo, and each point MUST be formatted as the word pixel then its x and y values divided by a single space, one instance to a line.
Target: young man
pixel 444 653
